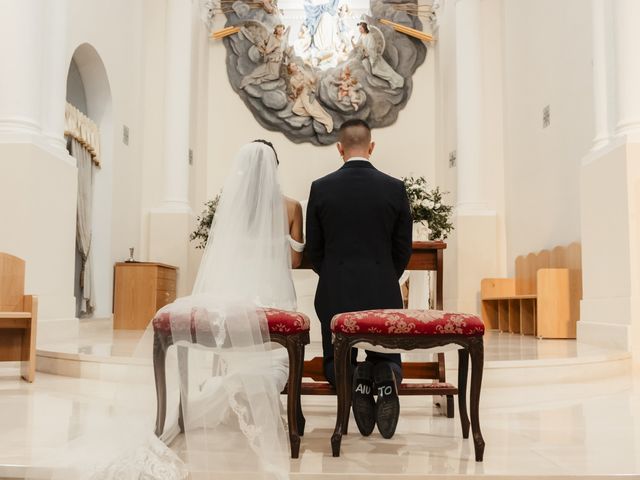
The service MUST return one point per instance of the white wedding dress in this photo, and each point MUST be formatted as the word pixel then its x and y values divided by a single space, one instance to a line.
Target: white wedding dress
pixel 230 389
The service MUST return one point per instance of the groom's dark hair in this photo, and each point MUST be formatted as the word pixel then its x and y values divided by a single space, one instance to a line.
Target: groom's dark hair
pixel 269 144
pixel 354 133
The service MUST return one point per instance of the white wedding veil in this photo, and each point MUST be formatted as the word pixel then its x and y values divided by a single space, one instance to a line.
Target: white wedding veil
pixel 246 264
pixel 246 256
pixel 222 364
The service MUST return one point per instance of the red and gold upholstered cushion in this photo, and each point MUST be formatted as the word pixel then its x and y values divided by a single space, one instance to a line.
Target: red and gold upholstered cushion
pixel 286 322
pixel 407 322
pixel 280 321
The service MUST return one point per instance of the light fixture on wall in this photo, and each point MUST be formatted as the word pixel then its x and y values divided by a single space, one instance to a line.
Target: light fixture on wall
pixel 453 156
pixel 546 116
pixel 125 134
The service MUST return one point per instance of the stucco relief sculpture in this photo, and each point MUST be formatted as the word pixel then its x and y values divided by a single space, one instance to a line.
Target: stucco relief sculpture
pixel 340 64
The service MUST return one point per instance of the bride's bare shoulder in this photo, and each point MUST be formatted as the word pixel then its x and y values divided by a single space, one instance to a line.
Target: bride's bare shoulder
pixel 292 203
pixel 293 206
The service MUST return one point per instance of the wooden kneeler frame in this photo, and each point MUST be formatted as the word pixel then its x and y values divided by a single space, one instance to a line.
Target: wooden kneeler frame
pixel 426 256
pixel 434 371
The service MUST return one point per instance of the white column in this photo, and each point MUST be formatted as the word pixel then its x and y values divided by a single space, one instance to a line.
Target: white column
pixel 476 232
pixel 21 55
pixel 626 14
pixel 177 105
pixel 55 70
pixel 610 307
pixel 169 225
pixel 603 97
pixel 469 107
pixel 33 183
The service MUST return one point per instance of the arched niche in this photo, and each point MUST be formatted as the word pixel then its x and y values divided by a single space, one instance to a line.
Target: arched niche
pixel 88 89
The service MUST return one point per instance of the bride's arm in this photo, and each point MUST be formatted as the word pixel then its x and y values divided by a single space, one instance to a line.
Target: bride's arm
pixel 295 230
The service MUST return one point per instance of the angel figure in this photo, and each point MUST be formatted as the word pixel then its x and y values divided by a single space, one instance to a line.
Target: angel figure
pixel 371 46
pixel 269 6
pixel 306 104
pixel 271 47
pixel 348 89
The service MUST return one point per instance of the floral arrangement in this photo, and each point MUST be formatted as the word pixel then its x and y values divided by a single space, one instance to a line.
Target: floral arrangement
pixel 427 207
pixel 201 233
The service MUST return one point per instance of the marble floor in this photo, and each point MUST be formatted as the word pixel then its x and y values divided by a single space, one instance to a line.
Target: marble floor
pixel 562 410
pixel 554 431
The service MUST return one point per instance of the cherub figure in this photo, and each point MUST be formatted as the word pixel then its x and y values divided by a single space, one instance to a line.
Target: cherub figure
pixel 348 89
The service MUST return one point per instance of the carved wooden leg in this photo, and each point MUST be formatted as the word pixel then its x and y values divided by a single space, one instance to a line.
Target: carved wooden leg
pixel 301 420
pixel 183 368
pixel 348 393
pixel 341 357
pixel 450 409
pixel 463 374
pixel 296 361
pixel 476 349
pixel 160 346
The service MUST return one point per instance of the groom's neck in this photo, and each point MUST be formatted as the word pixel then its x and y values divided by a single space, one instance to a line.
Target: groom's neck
pixel 356 154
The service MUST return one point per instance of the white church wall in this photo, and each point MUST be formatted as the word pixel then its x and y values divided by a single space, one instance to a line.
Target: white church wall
pixel 547 62
pixel 37 212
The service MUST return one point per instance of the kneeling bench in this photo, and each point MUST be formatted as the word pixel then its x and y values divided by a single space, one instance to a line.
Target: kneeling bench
pixel 408 330
pixel 289 329
pixel 435 371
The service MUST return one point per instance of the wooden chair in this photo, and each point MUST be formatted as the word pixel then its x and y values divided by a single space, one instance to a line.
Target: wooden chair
pixel 408 330
pixel 18 317
pixel 289 329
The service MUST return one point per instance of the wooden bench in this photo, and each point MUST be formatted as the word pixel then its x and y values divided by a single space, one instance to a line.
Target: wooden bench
pixel 18 317
pixel 542 300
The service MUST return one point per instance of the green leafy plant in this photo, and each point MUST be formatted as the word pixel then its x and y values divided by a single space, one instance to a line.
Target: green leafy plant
pixel 428 208
pixel 201 233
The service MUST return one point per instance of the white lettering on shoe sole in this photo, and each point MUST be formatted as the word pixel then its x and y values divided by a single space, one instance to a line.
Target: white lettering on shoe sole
pixel 364 389
pixel 383 391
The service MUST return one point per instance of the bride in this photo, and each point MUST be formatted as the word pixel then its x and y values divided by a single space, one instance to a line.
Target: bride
pixel 233 426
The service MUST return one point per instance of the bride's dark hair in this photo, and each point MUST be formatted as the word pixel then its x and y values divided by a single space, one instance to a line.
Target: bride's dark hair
pixel 269 144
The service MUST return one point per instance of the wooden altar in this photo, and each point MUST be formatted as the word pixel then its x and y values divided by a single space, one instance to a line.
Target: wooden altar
pixel 426 256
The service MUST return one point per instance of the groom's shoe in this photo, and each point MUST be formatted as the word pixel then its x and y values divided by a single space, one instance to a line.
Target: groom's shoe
pixel 388 404
pixel 362 398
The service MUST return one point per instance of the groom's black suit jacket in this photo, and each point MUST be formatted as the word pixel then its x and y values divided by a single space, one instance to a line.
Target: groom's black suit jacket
pixel 359 241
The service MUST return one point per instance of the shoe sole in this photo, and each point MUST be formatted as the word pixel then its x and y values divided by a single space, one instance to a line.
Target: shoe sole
pixel 363 405
pixel 365 425
pixel 388 407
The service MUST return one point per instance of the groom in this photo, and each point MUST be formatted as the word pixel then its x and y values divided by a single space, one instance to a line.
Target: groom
pixel 359 242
